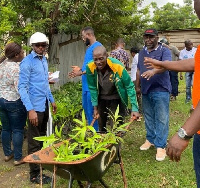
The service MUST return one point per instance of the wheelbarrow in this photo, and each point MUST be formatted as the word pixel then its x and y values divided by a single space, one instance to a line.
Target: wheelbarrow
pixel 90 169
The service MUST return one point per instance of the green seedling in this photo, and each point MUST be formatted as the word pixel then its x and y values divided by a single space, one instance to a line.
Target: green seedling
pixel 84 140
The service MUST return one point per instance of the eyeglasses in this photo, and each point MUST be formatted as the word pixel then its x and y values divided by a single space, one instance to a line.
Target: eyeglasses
pixel 40 44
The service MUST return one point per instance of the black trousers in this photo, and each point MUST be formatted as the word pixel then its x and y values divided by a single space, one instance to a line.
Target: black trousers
pixel 105 107
pixel 174 82
pixel 35 131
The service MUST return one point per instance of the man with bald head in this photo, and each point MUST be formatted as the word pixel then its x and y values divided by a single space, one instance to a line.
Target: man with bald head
pixel 110 85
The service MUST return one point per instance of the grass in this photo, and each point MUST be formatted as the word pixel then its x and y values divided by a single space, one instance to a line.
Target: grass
pixel 4 168
pixel 141 168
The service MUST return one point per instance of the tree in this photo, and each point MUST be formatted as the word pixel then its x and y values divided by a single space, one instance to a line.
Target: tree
pixel 8 18
pixel 173 16
pixel 109 18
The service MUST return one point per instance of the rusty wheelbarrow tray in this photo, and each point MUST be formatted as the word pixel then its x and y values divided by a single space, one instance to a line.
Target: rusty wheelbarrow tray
pixel 90 169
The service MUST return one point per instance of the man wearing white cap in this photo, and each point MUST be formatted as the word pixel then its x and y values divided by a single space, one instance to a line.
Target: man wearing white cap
pixel 35 94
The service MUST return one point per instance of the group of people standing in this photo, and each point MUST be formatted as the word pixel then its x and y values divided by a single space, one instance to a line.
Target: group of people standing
pixel 186 53
pixel 109 85
pixel 154 85
pixel 191 128
pixel 25 92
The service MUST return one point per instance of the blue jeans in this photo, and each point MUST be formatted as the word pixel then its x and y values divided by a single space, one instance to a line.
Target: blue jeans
pixel 155 107
pixel 188 80
pixel 88 108
pixel 13 118
pixel 174 82
pixel 196 157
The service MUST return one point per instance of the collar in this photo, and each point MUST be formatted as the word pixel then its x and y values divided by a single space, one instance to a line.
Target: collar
pixel 189 50
pixel 114 67
pixel 120 48
pixel 92 66
pixel 159 44
pixel 35 54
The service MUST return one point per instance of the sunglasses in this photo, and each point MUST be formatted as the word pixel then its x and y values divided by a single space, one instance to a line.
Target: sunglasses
pixel 42 45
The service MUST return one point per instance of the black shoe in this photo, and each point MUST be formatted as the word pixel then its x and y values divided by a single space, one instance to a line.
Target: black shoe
pixel 45 179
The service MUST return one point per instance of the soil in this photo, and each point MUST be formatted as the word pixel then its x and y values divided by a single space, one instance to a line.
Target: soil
pixel 14 176
pixel 18 176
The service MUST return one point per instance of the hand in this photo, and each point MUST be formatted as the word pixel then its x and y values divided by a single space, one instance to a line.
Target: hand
pixel 152 63
pixel 33 118
pixel 54 107
pixel 175 147
pixel 138 92
pixel 76 71
pixel 148 74
pixel 135 116
pixel 50 73
pixel 95 113
pixel 52 82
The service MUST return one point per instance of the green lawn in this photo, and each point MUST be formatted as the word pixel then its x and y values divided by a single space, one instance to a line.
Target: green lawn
pixel 141 168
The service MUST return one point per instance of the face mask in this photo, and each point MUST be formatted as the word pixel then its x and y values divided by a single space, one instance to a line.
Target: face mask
pixel 87 42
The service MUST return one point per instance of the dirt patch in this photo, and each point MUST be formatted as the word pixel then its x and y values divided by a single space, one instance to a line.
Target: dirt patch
pixel 14 176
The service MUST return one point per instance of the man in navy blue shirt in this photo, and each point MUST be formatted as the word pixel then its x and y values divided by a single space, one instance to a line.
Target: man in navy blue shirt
pixel 35 94
pixel 155 89
pixel 90 41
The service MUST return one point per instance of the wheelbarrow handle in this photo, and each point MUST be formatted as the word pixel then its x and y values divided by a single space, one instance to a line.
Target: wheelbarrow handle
pixel 131 121
pixel 122 133
pixel 93 121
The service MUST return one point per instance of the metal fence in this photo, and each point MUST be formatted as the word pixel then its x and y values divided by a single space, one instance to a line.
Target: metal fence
pixel 66 50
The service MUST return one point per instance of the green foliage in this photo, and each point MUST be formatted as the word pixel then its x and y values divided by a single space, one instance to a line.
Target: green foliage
pixel 173 16
pixel 68 100
pixel 110 19
pixel 84 140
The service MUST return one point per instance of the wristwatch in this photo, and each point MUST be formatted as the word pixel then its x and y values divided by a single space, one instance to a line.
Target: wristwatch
pixel 183 135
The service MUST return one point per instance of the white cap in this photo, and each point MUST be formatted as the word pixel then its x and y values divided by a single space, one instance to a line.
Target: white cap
pixel 38 37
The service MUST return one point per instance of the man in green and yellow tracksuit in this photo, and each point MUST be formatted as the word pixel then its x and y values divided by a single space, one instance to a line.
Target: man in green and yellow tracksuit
pixel 110 85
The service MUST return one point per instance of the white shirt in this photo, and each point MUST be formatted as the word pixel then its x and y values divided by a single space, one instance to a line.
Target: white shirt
pixel 184 54
pixel 134 67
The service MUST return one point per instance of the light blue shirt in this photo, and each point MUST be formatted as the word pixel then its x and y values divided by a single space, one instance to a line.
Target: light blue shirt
pixel 33 83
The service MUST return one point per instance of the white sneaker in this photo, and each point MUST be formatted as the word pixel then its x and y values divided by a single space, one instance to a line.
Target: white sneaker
pixel 146 145
pixel 161 154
